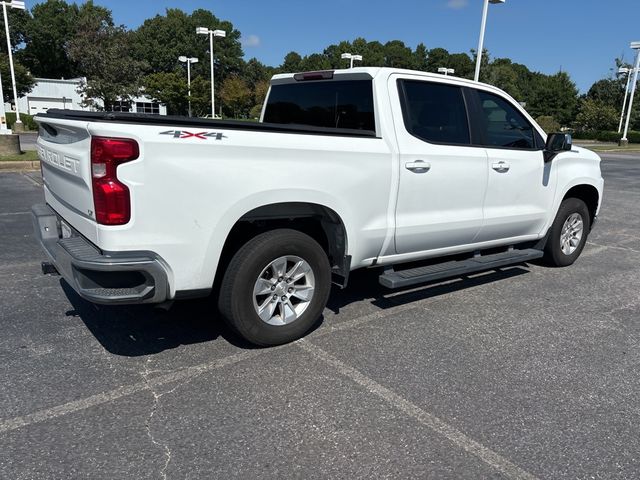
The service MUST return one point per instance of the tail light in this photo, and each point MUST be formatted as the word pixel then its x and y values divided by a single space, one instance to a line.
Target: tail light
pixel 111 197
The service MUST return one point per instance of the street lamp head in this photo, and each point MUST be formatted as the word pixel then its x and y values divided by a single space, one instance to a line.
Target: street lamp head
pixel 497 1
pixel 635 45
pixel 622 70
pixel 193 60
pixel 219 33
pixel 17 4
pixel 202 31
pixel 183 59
pixel 357 57
pixel 345 56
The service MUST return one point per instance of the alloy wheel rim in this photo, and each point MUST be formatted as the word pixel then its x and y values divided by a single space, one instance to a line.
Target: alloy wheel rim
pixel 283 290
pixel 571 233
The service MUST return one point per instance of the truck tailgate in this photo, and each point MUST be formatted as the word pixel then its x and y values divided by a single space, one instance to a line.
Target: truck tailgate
pixel 64 148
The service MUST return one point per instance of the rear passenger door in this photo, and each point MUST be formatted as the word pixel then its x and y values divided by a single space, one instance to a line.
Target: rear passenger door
pixel 520 186
pixel 442 177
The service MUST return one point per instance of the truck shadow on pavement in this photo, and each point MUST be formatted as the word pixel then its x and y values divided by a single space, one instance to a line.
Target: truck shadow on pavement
pixel 137 330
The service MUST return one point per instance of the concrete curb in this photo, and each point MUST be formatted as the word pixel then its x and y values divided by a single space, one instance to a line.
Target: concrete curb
pixel 19 166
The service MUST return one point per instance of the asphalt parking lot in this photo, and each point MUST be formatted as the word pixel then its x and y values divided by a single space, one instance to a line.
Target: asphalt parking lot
pixel 521 373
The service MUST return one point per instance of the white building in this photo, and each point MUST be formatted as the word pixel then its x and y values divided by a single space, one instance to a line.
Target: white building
pixel 53 93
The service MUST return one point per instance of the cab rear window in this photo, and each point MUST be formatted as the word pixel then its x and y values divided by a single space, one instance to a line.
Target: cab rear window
pixel 329 104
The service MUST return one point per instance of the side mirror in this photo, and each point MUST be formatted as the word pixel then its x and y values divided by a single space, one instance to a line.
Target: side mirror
pixel 556 143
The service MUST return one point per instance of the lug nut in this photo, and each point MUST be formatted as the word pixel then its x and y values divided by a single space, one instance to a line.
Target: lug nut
pixel 273 287
pixel 275 297
pixel 290 290
pixel 283 298
pixel 280 279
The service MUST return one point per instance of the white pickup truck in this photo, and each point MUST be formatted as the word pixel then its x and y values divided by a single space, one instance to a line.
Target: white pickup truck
pixel 347 169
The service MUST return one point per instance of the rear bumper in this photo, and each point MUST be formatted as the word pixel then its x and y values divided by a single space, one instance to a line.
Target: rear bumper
pixel 98 276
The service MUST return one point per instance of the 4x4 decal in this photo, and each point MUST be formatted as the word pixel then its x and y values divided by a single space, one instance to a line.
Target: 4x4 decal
pixel 200 135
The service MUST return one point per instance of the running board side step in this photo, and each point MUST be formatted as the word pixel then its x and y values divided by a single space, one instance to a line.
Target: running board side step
pixel 456 268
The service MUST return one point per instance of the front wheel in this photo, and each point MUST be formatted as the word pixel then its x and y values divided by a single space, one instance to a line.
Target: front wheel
pixel 568 233
pixel 275 287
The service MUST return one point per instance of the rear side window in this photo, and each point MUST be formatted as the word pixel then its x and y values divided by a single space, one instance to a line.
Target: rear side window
pixel 435 112
pixel 503 125
pixel 330 104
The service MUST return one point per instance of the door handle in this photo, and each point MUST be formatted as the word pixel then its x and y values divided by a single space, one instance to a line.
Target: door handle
pixel 501 167
pixel 419 166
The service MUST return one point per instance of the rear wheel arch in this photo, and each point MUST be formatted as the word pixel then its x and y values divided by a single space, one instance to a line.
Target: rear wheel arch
pixel 320 222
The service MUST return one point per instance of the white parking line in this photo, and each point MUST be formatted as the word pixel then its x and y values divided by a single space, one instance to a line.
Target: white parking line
pixel 8 214
pixel 455 436
pixel 105 397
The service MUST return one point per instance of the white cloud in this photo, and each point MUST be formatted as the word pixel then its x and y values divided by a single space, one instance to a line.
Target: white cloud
pixel 457 4
pixel 251 41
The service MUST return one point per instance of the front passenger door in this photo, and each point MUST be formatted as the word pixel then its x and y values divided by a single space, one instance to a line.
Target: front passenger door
pixel 521 186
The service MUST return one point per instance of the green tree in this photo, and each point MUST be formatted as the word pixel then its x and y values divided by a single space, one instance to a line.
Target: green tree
pixel 314 62
pixel 170 89
pixel 502 74
pixel 397 55
pixel 554 95
pixel 235 96
pixel 18 26
pixel 254 72
pixel 420 56
pixel 259 95
pixel 597 115
pixel 24 79
pixel 201 97
pixel 102 52
pixel 46 35
pixel 608 91
pixel 291 63
pixel 160 40
pixel 462 64
pixel 333 54
pixel 438 57
pixel 373 53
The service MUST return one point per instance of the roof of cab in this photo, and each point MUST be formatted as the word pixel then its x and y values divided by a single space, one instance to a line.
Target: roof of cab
pixel 375 71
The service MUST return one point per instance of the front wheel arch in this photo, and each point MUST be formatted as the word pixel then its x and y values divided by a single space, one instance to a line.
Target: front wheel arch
pixel 589 195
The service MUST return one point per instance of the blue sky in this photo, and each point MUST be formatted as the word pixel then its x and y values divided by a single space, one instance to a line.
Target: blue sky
pixel 581 37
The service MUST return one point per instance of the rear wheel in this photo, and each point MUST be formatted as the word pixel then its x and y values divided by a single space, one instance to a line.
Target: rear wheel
pixel 275 287
pixel 568 234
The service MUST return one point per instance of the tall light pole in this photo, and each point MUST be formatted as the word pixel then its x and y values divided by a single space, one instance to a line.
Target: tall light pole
pixel 20 6
pixel 351 58
pixel 485 9
pixel 635 46
pixel 623 70
pixel 188 61
pixel 446 71
pixel 211 33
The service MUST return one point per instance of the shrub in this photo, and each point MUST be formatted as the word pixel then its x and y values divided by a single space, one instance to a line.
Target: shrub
pixel 548 123
pixel 27 120
pixel 606 136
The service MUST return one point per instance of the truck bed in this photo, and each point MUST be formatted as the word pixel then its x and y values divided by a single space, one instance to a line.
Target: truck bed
pixel 180 121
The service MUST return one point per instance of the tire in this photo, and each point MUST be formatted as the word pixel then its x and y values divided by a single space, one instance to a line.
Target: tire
pixel 257 268
pixel 572 212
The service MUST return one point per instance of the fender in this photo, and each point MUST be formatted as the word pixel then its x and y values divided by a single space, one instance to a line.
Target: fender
pixel 268 197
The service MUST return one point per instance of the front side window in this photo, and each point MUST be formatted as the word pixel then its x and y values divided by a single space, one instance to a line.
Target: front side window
pixel 435 112
pixel 503 125
pixel 330 104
